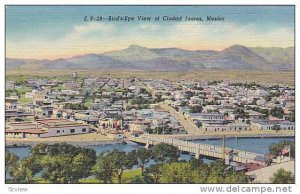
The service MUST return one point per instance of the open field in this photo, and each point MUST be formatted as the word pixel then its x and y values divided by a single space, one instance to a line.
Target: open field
pixel 269 77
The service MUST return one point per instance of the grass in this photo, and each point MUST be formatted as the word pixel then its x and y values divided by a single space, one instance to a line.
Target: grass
pixel 128 177
pixel 40 181
pixel 24 90
pixel 59 88
pixel 24 100
pixel 88 103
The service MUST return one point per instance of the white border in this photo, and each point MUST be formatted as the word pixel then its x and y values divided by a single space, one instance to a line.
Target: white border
pixel 155 189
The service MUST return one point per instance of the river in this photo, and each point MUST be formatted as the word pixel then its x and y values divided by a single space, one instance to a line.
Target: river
pixel 257 145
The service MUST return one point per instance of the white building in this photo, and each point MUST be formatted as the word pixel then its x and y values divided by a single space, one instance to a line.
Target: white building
pixel 46 128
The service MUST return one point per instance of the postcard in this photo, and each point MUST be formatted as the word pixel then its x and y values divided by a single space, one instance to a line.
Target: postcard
pixel 150 94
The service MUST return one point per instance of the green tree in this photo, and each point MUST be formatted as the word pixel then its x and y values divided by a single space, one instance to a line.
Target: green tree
pixel 277 112
pixel 104 169
pixel 143 156
pixel 276 127
pixel 235 178
pixel 21 173
pixel 11 160
pixel 217 172
pixel 154 172
pixel 292 116
pixel 177 172
pixel 122 161
pixel 283 177
pixel 33 164
pixel 64 163
pixel 276 148
pixel 196 109
pixel 201 171
pixel 163 152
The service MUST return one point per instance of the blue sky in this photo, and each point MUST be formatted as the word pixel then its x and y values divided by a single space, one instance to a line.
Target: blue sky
pixel 59 31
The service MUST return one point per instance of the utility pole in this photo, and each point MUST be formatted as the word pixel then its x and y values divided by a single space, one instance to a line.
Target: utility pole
pixel 289 152
pixel 223 147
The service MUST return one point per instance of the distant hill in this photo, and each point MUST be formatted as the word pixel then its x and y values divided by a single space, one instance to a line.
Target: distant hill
pixel 169 59
pixel 281 58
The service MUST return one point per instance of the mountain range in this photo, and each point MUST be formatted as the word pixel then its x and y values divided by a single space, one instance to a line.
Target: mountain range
pixel 169 59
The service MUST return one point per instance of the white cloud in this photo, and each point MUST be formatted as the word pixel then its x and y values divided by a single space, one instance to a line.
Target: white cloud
pixel 149 27
pixel 227 34
pixel 81 31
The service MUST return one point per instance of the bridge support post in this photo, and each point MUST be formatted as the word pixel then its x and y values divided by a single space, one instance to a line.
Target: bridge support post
pixel 147 143
pixel 197 154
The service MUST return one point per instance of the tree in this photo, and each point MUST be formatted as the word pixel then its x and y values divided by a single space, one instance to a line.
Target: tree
pixel 177 172
pixel 154 172
pixel 276 127
pixel 104 169
pixel 217 172
pixel 122 161
pixel 163 152
pixel 235 177
pixel 64 163
pixel 11 161
pixel 33 164
pixel 21 173
pixel 277 112
pixel 292 116
pixel 283 177
pixel 276 148
pixel 196 109
pixel 143 156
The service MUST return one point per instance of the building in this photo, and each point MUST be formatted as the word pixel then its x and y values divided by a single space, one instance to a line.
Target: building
pixel 45 128
pixel 10 85
pixel 216 118
pixel 139 125
pixel 272 125
pixel 226 127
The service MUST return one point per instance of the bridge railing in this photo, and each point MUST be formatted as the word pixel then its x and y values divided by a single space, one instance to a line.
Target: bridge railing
pixel 246 156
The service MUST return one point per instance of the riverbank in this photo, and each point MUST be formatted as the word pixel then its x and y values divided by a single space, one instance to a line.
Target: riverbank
pixel 91 139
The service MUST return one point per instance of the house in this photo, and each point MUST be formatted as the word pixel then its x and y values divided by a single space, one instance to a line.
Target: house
pixel 113 123
pixel 13 115
pixel 139 125
pixel 272 125
pixel 61 127
pixel 261 125
pixel 226 127
pixel 10 85
pixel 254 114
pixel 206 117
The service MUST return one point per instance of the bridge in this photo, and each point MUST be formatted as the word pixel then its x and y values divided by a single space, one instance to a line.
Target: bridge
pixel 200 149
